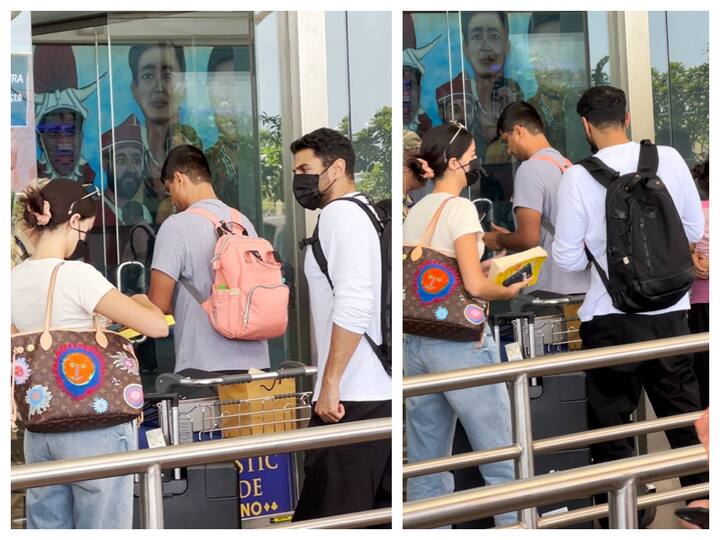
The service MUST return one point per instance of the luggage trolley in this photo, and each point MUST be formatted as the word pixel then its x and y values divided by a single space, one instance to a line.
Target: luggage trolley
pixel 558 403
pixel 251 492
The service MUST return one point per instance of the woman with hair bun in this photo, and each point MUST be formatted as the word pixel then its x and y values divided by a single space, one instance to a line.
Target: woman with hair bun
pixel 447 156
pixel 60 215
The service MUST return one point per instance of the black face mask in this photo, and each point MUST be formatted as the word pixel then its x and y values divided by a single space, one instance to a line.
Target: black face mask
pixel 307 191
pixel 472 173
pixel 81 252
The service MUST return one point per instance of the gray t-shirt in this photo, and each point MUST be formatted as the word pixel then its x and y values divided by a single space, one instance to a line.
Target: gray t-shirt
pixel 536 185
pixel 184 246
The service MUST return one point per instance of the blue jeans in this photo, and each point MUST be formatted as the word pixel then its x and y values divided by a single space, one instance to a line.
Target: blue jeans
pixel 483 410
pixel 106 503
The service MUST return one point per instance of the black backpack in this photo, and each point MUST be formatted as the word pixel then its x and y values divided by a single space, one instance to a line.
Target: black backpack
pixel 648 255
pixel 384 229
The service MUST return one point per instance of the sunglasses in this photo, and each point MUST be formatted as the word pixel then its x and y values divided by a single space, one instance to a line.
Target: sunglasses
pixel 460 128
pixel 94 192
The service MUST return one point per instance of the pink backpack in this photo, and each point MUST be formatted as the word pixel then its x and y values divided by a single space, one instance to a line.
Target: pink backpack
pixel 249 299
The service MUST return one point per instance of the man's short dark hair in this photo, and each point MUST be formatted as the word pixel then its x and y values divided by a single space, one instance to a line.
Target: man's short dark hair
pixel 328 145
pixel 603 106
pixel 136 51
pixel 189 160
pixel 520 113
pixel 467 15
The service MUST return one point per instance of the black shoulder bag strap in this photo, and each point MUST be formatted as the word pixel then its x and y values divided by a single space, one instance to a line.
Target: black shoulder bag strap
pixel 648 161
pixel 316 247
pixel 605 176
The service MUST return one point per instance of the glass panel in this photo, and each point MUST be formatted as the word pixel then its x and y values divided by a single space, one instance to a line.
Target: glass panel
pixel 336 46
pixel 657 24
pixel 369 83
pixel 680 77
pixel 469 66
pixel 689 83
pixel 72 91
pixel 599 48
pixel 277 200
pixel 359 82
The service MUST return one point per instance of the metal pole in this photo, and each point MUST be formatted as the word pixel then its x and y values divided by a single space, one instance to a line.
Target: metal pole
pixel 152 498
pixel 523 438
pixel 645 501
pixel 175 430
pixel 356 520
pixel 548 445
pixel 466 505
pixel 89 468
pixel 417 385
pixel 142 495
pixel 622 505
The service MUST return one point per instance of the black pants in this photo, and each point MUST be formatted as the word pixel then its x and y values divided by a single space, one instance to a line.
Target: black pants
pixel 614 392
pixel 699 321
pixel 350 478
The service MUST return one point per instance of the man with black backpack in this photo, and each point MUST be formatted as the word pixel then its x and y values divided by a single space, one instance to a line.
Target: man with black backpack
pixel 347 270
pixel 631 211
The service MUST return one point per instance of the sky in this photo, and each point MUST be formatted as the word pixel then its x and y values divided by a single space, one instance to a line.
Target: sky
pixel 365 37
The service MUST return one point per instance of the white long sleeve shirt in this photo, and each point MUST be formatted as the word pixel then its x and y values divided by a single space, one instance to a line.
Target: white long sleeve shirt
pixel 352 249
pixel 581 218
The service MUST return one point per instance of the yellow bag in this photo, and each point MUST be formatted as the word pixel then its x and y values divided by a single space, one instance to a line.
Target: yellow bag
pixel 258 407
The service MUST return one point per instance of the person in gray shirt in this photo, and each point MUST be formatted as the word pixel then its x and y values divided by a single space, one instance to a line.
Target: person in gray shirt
pixel 534 197
pixel 184 247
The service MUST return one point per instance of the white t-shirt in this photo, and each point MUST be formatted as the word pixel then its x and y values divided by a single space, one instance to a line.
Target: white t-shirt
pixel 459 217
pixel 78 289
pixel 352 249
pixel 581 218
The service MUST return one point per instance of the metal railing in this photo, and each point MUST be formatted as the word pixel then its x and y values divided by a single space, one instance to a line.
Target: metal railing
pixel 619 477
pixel 519 373
pixel 148 463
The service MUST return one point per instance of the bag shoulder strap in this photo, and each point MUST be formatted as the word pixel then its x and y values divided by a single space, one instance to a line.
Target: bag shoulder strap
pixel 45 337
pixel 648 160
pixel 366 208
pixel 599 170
pixel 321 260
pixel 314 240
pixel 563 164
pixel 426 238
pixel 549 227
pixel 235 218
pixel 190 288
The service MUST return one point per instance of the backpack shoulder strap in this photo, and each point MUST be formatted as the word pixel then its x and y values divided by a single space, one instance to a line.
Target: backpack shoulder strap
pixel 563 164
pixel 190 288
pixel 648 160
pixel 314 243
pixel 366 208
pixel 599 171
pixel 235 218
pixel 206 214
pixel 314 240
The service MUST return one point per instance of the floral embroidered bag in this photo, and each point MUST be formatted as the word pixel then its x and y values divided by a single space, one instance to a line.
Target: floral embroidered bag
pixel 73 380
pixel 435 302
